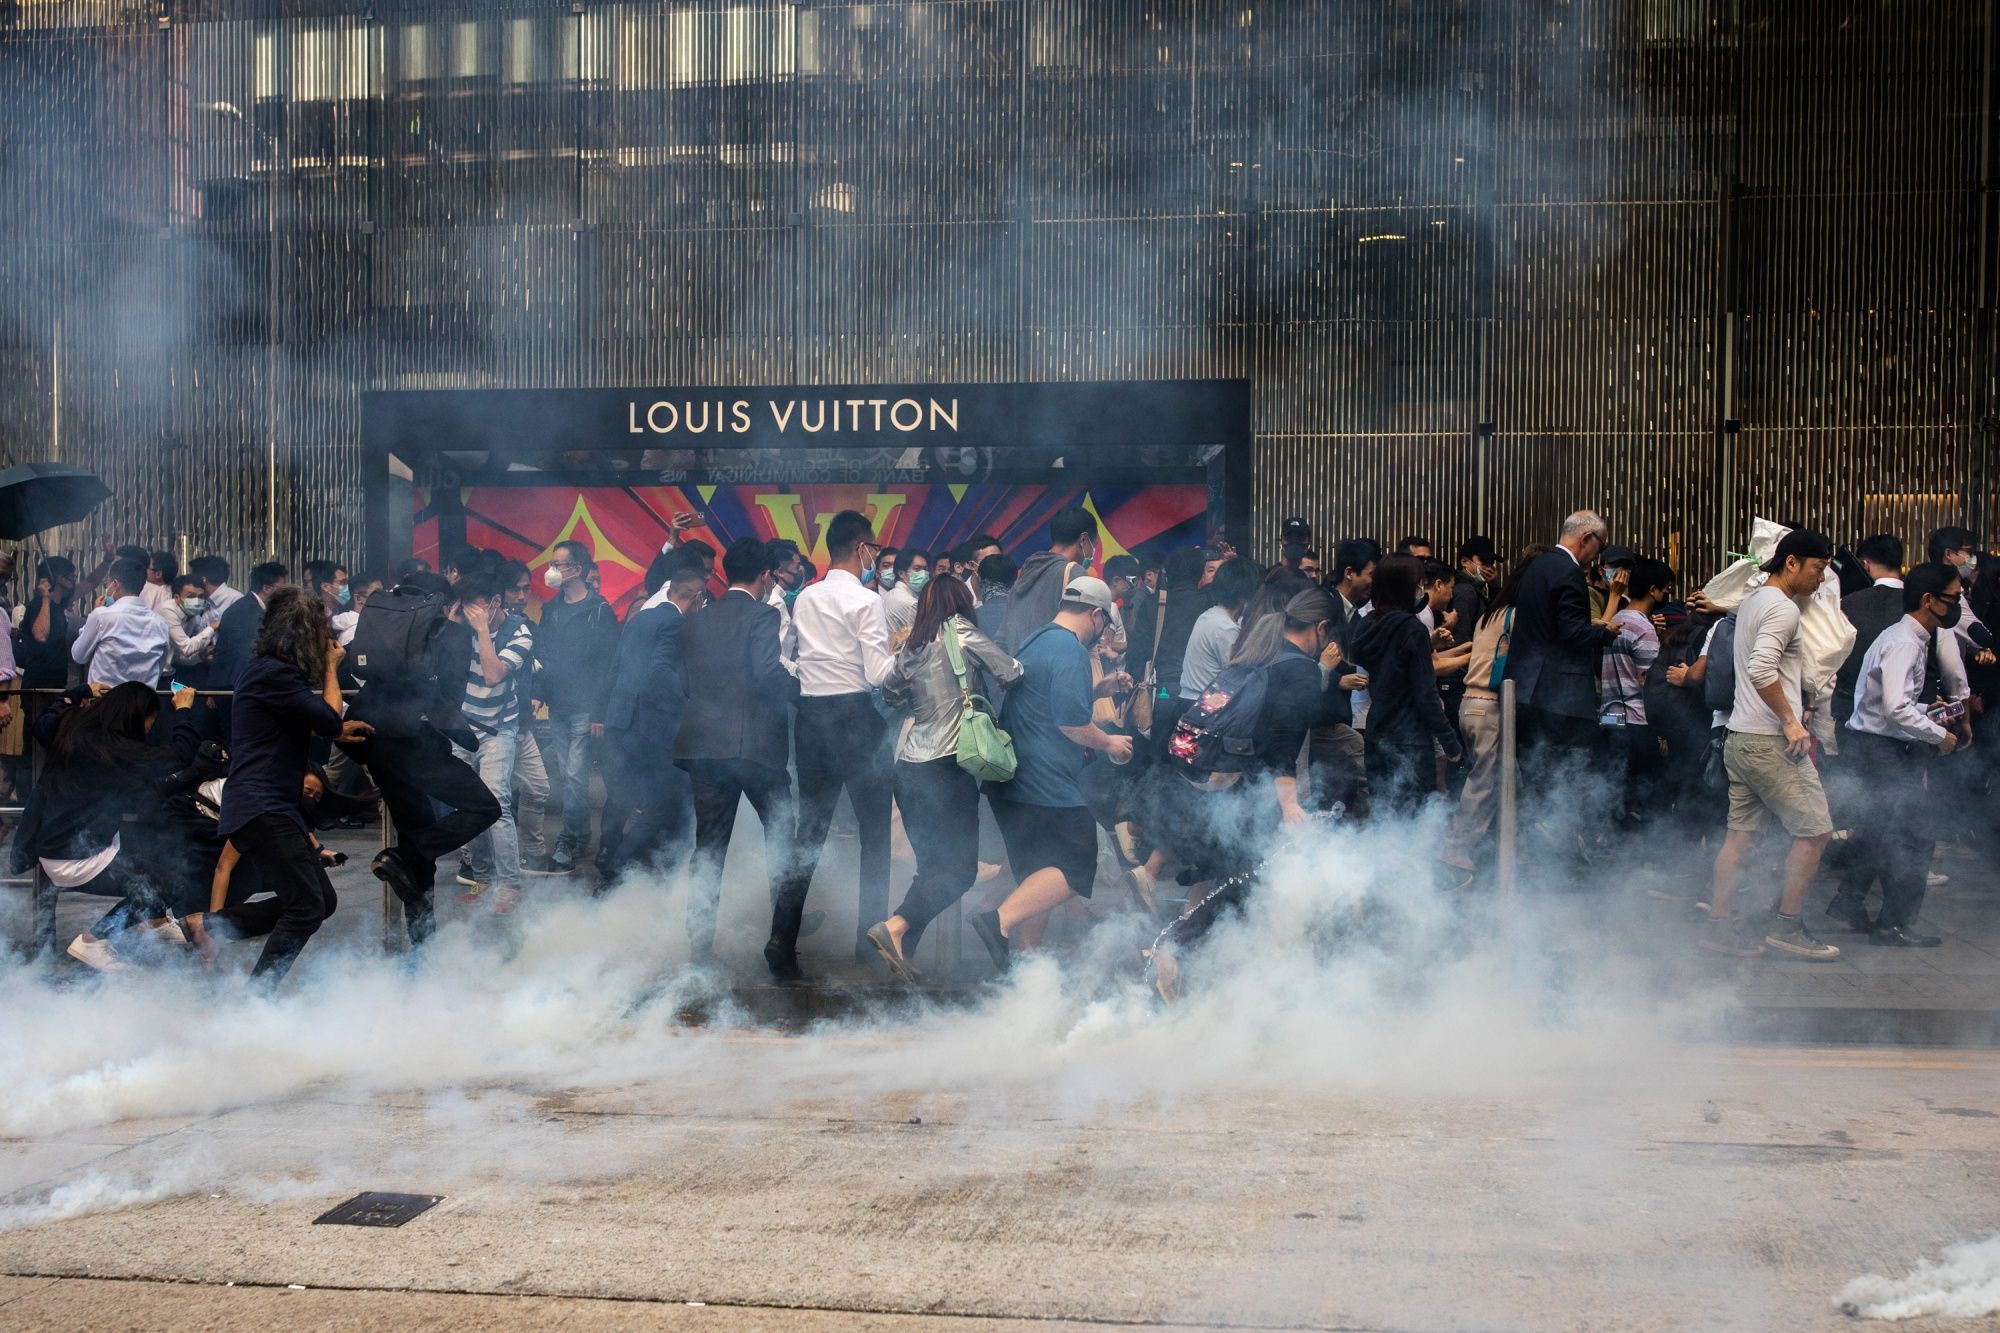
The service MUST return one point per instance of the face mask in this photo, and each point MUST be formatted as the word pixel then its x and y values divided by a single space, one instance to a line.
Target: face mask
pixel 1950 618
pixel 917 580
pixel 888 581
pixel 1967 565
pixel 867 578
pixel 194 606
pixel 791 595
pixel 344 595
pixel 552 577
pixel 310 806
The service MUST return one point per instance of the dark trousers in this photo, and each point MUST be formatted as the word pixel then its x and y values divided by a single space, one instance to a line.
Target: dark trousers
pixel 1401 775
pixel 417 774
pixel 288 866
pixel 841 744
pixel 1893 830
pixel 720 785
pixel 940 805
pixel 648 807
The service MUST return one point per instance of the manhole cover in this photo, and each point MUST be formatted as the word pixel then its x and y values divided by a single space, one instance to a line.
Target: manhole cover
pixel 378 1210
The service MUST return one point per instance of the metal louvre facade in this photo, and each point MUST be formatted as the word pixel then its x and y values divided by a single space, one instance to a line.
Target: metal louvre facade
pixel 1482 261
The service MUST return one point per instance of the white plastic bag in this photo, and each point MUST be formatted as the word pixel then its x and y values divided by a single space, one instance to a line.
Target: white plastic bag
pixel 1825 630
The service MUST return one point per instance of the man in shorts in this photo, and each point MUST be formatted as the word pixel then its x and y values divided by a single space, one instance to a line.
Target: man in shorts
pixel 1768 756
pixel 1050 835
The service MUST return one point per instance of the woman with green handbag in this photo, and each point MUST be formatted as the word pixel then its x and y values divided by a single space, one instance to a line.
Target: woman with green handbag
pixel 952 745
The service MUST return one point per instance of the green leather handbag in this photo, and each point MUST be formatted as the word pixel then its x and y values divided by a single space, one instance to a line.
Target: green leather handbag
pixel 984 750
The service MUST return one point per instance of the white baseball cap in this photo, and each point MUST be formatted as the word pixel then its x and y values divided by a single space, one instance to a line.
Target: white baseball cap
pixel 1095 592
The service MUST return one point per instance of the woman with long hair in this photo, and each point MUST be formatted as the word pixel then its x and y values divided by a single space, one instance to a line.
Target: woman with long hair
pixel 1405 713
pixel 939 800
pixel 1479 717
pixel 102 766
pixel 288 693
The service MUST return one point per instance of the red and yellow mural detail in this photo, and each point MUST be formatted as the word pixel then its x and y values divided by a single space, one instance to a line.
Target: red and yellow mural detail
pixel 624 526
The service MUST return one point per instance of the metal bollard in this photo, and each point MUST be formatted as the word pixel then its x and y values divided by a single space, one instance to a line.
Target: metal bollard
pixel 1508 775
pixel 392 908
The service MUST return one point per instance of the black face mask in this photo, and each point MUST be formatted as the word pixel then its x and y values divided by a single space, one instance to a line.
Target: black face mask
pixel 310 805
pixel 1950 618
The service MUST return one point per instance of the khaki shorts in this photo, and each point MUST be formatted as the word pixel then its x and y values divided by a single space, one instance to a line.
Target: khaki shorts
pixel 1763 780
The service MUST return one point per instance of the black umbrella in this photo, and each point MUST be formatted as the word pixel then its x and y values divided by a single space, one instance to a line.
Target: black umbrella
pixel 35 497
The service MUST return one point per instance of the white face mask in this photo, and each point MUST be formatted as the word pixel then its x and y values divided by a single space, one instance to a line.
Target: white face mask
pixel 552 577
pixel 1967 566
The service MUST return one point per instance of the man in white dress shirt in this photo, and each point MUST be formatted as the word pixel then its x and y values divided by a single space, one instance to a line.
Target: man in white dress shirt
pixel 840 653
pixel 1891 738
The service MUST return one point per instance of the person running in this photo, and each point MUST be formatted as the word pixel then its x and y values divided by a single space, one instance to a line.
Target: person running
pixel 939 665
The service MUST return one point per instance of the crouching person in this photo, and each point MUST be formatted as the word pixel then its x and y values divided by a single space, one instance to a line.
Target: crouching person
pixel 287 694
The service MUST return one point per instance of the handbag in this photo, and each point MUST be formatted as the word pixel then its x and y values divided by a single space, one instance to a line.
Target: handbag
pixel 1148 692
pixel 984 751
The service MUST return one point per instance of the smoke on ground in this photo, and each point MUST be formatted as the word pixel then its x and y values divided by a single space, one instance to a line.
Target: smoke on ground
pixel 1964 1284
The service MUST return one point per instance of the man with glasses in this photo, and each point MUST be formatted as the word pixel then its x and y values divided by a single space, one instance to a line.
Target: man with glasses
pixel 1908 707
pixel 576 647
pixel 840 652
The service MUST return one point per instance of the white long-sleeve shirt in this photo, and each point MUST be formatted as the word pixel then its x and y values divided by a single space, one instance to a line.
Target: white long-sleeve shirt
pixel 840 638
pixel 1887 697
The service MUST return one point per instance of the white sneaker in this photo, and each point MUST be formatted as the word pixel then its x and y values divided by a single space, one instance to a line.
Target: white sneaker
pixel 1144 885
pixel 1127 835
pixel 95 954
pixel 987 871
pixel 1937 877
pixel 167 932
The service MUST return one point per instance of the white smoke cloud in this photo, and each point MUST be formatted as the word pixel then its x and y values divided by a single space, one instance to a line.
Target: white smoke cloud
pixel 1964 1284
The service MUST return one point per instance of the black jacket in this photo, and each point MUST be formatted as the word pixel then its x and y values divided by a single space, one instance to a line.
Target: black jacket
pixel 1870 611
pixel 1553 653
pixel 1404 709
pixel 435 700
pixel 235 636
pixel 75 812
pixel 648 685
pixel 576 647
pixel 743 694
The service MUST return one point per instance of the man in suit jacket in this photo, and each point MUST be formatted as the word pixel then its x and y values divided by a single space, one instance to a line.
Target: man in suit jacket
pixel 1553 653
pixel 236 634
pixel 1871 610
pixel 738 742
pixel 647 805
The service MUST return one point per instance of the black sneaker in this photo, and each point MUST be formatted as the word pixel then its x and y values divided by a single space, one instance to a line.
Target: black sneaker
pixel 465 875
pixel 986 925
pixel 543 865
pixel 1791 937
pixel 1900 937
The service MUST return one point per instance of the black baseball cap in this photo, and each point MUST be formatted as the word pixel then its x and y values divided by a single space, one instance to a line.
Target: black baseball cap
pixel 1801 542
pixel 1295 530
pixel 1478 548
pixel 1618 555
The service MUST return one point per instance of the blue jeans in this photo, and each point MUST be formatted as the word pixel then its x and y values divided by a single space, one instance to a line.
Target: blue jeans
pixel 496 854
pixel 569 755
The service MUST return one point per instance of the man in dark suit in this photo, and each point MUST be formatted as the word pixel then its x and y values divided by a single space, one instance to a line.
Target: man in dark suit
pixel 736 744
pixel 1553 654
pixel 647 805
pixel 236 633
pixel 1870 610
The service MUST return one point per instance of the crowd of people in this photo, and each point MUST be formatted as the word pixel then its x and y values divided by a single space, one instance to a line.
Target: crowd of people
pixel 1012 728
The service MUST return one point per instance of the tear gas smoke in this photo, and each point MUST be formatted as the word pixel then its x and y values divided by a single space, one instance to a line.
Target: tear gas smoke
pixel 1422 994
pixel 1964 1284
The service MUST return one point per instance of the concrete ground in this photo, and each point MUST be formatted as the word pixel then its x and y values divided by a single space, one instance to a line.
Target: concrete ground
pixel 997 1160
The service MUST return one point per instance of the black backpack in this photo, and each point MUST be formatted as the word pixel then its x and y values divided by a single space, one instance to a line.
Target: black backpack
pixel 1219 733
pixel 392 638
pixel 1718 683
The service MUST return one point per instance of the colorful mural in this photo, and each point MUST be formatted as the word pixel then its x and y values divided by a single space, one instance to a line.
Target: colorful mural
pixel 624 526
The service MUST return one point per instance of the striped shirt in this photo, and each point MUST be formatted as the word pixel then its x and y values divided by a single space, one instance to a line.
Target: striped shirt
pixel 496 708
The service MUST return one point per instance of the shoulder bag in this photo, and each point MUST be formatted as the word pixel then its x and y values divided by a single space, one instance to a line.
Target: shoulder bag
pixel 984 751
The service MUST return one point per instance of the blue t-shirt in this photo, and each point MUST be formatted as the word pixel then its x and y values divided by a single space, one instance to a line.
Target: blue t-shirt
pixel 1053 692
